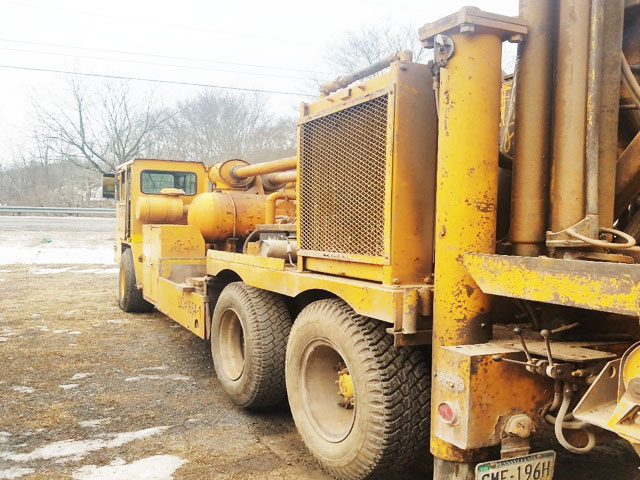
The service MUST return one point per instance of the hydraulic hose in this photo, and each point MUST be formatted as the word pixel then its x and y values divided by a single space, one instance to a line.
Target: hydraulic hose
pixel 560 424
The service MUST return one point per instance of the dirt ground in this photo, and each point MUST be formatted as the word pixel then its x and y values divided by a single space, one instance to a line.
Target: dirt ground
pixel 91 393
pixel 78 374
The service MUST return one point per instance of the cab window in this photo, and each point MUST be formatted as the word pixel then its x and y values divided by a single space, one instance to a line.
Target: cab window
pixel 153 181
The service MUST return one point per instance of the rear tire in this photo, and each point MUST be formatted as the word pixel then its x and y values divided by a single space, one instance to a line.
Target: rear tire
pixel 129 297
pixel 386 430
pixel 249 332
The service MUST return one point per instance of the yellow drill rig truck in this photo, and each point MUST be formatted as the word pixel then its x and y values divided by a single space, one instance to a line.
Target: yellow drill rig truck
pixel 406 285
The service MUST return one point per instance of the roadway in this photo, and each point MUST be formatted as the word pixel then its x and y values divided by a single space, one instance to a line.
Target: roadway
pixel 56 224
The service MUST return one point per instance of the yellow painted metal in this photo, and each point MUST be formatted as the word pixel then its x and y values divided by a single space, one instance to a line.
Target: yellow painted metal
pixel 171 241
pixel 159 209
pixel 625 419
pixel 235 173
pixel 221 215
pixel 128 227
pixel 607 287
pixel 134 170
pixel 484 393
pixel 364 271
pixel 467 184
pixel 345 385
pixel 370 299
pixel 279 179
pixel 404 221
pixel 270 209
pixel 280 165
pixel 172 254
pixel 189 309
pixel 631 367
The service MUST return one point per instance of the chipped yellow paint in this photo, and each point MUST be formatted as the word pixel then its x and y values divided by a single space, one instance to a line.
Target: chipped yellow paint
pixel 467 184
pixel 371 299
pixel 593 285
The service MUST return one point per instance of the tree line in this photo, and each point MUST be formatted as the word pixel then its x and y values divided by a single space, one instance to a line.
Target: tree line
pixel 89 127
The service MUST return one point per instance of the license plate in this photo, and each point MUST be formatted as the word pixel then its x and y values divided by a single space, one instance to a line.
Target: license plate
pixel 537 466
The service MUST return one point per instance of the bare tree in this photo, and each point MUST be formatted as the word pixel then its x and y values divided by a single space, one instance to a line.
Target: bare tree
pixel 360 48
pixel 98 126
pixel 216 126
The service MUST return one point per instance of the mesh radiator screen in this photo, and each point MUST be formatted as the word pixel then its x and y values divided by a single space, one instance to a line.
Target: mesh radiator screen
pixel 342 180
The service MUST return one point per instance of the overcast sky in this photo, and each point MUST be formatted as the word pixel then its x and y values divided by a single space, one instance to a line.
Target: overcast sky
pixel 264 45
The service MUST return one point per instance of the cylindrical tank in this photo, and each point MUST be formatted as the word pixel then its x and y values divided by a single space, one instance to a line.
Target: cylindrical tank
pixel 221 215
pixel 159 209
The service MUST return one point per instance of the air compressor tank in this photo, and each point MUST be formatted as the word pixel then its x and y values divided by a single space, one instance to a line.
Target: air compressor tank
pixel 222 215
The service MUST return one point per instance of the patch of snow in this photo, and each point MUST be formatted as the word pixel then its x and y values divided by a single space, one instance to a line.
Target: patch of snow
pixel 35 315
pixel 60 331
pixel 5 271
pixel 73 344
pixel 158 467
pixel 15 472
pixel 4 437
pixel 50 254
pixel 183 378
pixel 159 367
pixel 50 271
pixel 3 339
pixel 2 279
pixel 75 332
pixel 78 376
pixel 42 328
pixel 92 423
pixel 68 386
pixel 118 461
pixel 116 320
pixel 23 389
pixel 79 448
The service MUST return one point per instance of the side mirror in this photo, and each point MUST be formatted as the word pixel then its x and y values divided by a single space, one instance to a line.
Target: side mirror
pixel 108 185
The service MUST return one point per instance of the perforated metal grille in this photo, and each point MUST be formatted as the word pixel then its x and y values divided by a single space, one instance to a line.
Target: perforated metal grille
pixel 342 180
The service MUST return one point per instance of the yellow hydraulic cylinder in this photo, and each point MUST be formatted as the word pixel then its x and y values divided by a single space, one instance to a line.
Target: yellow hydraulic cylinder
pixel 467 189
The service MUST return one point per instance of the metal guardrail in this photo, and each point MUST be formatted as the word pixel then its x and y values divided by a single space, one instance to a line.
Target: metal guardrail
pixel 103 212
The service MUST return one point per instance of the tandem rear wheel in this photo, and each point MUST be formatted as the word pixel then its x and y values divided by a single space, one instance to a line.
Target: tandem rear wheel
pixel 249 331
pixel 360 404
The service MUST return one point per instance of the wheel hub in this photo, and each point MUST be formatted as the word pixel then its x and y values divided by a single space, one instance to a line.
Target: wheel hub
pixel 345 386
pixel 232 345
pixel 332 413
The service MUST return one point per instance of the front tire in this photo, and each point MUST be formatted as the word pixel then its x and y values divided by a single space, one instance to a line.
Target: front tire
pixel 360 404
pixel 249 331
pixel 129 297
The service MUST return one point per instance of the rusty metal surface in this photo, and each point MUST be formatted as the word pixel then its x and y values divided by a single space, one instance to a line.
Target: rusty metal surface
pixel 342 180
pixel 597 405
pixel 609 100
pixel 467 184
pixel 483 22
pixel 345 80
pixel 565 351
pixel 486 393
pixel 530 181
pixel 567 170
pixel 594 87
pixel 628 176
pixel 607 287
